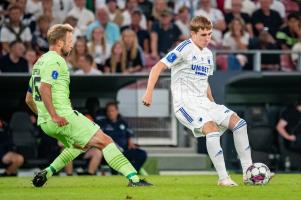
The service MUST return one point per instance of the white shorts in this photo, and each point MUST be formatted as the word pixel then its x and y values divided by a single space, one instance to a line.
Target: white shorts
pixel 195 115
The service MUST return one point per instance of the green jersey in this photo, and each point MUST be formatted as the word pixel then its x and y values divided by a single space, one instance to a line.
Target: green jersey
pixel 51 68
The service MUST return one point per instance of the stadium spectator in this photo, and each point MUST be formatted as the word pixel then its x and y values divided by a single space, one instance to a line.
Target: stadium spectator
pixel 164 35
pixel 191 5
pixel 288 36
pixel 115 14
pixel 289 126
pixel 39 39
pixel 146 7
pixel 134 54
pixel 47 9
pixel 33 7
pixel 102 3
pixel 236 12
pixel 296 48
pixel 14 61
pixel 237 38
pixel 279 7
pixel 8 155
pixel 158 8
pixel 14 29
pixel 182 21
pixel 132 5
pixel 217 18
pixel 266 18
pixel 265 41
pixel 31 57
pixel 142 34
pixel 117 128
pixel 73 22
pixel 248 6
pixel 98 47
pixel 80 49
pixel 87 66
pixel 61 9
pixel 111 29
pixel 84 16
pixel 117 62
pixel 28 19
pixel 290 33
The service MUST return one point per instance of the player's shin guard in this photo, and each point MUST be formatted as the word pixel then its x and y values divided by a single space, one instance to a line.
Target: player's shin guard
pixel 242 145
pixel 67 155
pixel 119 163
pixel 216 154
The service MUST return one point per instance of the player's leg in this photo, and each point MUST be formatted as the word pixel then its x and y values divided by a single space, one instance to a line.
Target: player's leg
pixel 14 161
pixel 241 140
pixel 69 153
pixel 211 130
pixel 115 158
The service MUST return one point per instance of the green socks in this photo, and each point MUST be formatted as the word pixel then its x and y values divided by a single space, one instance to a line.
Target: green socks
pixel 67 155
pixel 111 154
pixel 119 163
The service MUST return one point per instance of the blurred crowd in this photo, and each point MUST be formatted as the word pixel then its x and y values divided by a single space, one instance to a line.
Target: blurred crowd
pixel 129 36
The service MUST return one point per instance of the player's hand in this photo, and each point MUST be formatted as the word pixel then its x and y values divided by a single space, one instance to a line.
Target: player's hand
pixel 291 138
pixel 147 99
pixel 132 145
pixel 61 121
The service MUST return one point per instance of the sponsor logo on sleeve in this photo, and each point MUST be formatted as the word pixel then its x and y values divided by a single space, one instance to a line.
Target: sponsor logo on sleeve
pixel 171 57
pixel 54 74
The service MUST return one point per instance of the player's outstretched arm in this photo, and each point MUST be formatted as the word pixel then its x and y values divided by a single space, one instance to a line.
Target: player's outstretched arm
pixel 152 80
pixel 31 104
pixel 46 95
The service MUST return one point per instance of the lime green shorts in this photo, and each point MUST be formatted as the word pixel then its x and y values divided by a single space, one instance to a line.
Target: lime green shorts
pixel 78 132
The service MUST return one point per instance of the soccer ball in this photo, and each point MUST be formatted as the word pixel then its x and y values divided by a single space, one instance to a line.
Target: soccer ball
pixel 258 174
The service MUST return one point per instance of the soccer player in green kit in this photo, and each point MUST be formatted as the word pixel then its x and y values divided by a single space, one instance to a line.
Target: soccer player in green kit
pixel 48 97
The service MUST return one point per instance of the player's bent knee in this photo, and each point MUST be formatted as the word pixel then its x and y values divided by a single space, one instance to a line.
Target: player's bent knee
pixel 234 120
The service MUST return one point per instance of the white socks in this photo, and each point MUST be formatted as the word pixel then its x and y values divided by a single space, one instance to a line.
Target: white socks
pixel 216 154
pixel 242 145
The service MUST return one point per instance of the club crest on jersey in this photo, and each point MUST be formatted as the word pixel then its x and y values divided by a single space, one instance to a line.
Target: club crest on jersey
pixel 54 74
pixel 208 60
pixel 171 57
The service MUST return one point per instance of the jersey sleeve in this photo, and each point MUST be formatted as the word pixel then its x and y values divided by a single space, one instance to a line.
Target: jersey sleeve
pixel 172 58
pixel 29 89
pixel 50 73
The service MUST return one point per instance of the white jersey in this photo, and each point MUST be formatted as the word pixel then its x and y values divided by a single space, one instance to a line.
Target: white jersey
pixel 190 68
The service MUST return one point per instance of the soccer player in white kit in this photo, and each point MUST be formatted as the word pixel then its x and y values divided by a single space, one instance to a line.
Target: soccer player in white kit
pixel 191 63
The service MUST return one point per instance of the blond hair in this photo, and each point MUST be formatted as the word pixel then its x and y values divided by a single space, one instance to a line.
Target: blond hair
pixel 113 61
pixel 103 43
pixel 134 46
pixel 58 32
pixel 200 22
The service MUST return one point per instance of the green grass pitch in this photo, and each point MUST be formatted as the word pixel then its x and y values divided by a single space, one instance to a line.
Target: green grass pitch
pixel 198 187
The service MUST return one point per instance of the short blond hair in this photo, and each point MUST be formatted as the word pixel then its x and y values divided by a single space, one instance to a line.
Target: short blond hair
pixel 200 22
pixel 58 32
